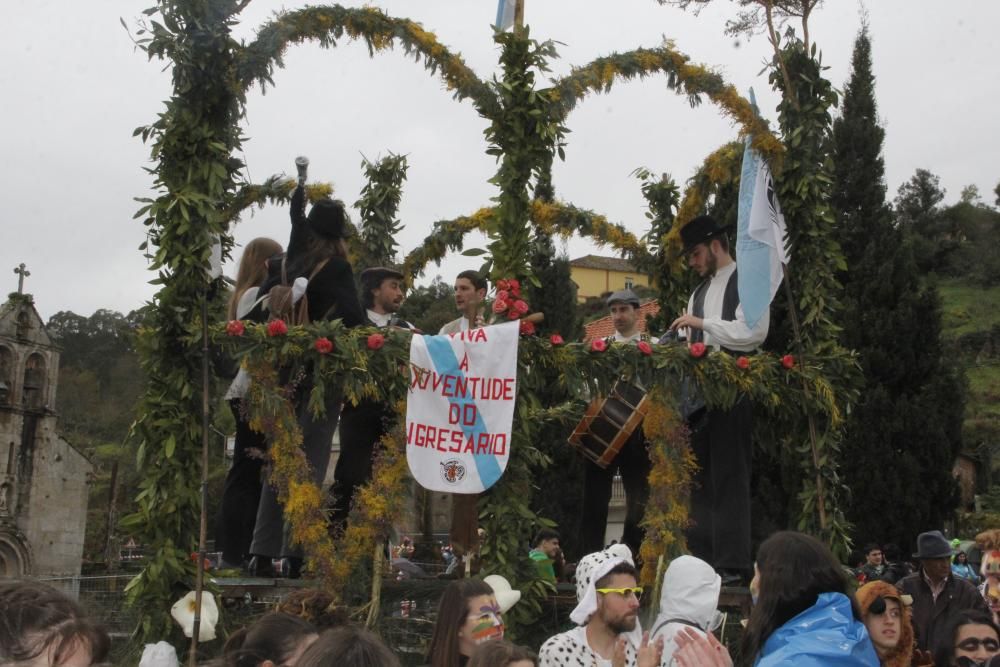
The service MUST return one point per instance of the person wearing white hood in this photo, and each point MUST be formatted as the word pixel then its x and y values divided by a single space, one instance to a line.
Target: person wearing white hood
pixel 689 599
pixel 607 617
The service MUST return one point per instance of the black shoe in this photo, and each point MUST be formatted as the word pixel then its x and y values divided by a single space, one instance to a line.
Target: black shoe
pixel 291 567
pixel 261 566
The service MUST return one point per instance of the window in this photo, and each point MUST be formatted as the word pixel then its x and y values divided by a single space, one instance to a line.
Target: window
pixel 629 282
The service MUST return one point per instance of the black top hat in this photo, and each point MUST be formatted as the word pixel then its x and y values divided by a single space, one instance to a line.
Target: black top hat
pixel 372 278
pixel 624 296
pixel 932 544
pixel 328 219
pixel 700 230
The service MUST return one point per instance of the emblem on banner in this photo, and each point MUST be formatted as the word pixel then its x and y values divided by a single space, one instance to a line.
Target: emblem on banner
pixel 452 471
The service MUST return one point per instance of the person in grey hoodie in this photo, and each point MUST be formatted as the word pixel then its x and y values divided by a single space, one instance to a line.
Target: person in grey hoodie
pixel 689 599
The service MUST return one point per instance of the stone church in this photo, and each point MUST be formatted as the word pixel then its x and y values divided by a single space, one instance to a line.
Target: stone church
pixel 43 479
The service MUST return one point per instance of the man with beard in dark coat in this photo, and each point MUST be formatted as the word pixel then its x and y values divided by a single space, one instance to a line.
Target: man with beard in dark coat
pixel 364 424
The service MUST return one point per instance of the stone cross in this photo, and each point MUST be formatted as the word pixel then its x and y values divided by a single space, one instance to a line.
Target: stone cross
pixel 22 273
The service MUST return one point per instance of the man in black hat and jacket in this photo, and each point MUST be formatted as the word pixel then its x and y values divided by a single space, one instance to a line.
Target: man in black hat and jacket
pixel 364 424
pixel 720 439
pixel 937 595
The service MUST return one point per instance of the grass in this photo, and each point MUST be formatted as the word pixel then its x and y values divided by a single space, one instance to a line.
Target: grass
pixel 967 308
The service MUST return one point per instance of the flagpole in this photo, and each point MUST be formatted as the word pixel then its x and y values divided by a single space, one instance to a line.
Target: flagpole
pixel 797 333
pixel 518 15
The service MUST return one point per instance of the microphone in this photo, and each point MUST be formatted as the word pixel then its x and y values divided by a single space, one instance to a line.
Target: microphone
pixel 302 166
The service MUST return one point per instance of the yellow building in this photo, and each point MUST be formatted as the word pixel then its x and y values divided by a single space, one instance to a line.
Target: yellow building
pixel 595 275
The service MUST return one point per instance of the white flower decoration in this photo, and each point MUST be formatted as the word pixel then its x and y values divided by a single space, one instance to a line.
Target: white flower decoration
pixel 183 613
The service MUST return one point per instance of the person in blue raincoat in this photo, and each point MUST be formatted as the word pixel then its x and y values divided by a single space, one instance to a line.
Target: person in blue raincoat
pixel 805 615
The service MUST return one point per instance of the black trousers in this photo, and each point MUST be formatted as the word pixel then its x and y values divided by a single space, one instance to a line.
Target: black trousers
pixel 720 495
pixel 361 427
pixel 241 493
pixel 634 465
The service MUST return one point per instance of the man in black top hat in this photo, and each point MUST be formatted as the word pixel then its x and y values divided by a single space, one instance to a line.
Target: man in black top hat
pixel 937 595
pixel 364 424
pixel 720 439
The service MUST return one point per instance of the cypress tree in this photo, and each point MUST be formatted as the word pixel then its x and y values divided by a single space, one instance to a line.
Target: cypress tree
pixel 902 437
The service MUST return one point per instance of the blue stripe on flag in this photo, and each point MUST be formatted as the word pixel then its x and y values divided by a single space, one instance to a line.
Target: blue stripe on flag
pixel 446 363
pixel 505 15
pixel 753 258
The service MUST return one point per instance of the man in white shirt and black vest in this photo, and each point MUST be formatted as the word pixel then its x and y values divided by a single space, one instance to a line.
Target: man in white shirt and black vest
pixel 364 424
pixel 632 461
pixel 720 439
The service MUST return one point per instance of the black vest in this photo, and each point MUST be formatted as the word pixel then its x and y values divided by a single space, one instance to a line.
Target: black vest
pixel 730 301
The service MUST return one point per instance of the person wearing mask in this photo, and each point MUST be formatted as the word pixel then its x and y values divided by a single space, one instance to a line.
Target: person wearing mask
pixel 937 595
pixel 41 627
pixel 805 615
pixel 468 615
pixel 241 491
pixel 273 640
pixel 888 622
pixel 970 639
pixel 689 599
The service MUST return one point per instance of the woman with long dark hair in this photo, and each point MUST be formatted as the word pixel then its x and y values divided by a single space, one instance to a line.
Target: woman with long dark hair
pixel 804 614
pixel 468 615
pixel 241 493
pixel 348 646
pixel 972 638
pixel 331 294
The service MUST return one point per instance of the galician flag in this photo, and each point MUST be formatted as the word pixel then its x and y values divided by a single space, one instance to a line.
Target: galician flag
pixel 505 14
pixel 760 236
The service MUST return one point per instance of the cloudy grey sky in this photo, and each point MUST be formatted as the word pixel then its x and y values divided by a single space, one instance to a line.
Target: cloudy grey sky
pixel 75 88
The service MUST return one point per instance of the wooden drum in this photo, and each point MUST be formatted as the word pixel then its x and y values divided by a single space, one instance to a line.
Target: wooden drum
pixel 608 423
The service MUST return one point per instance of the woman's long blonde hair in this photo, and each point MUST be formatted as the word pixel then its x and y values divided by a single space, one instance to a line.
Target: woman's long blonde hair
pixel 253 269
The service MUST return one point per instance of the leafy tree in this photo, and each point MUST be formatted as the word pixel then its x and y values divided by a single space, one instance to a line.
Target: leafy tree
pixel 996 190
pixel 971 231
pixel 905 431
pixel 918 210
pixel 429 308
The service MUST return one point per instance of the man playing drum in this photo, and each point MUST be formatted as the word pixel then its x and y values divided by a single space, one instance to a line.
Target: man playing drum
pixel 632 461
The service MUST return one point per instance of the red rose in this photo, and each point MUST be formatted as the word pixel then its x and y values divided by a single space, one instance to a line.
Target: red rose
pixel 697 350
pixel 376 341
pixel 645 347
pixel 598 345
pixel 788 361
pixel 512 314
pixel 521 306
pixel 235 328
pixel 527 328
pixel 743 362
pixel 503 285
pixel 556 339
pixel 503 295
pixel 515 286
pixel 323 345
pixel 277 328
pixel 499 306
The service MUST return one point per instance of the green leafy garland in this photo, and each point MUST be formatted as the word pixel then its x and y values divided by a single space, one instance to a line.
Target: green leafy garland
pixel 379 204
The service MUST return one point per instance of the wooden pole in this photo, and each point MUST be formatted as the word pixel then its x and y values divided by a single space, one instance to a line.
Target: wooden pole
pixel 820 487
pixel 203 529
pixel 519 15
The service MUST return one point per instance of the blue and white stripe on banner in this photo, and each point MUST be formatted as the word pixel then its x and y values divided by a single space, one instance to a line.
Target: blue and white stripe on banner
pixel 446 363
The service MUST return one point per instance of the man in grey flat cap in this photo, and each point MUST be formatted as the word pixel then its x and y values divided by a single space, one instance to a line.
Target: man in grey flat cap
pixel 632 461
